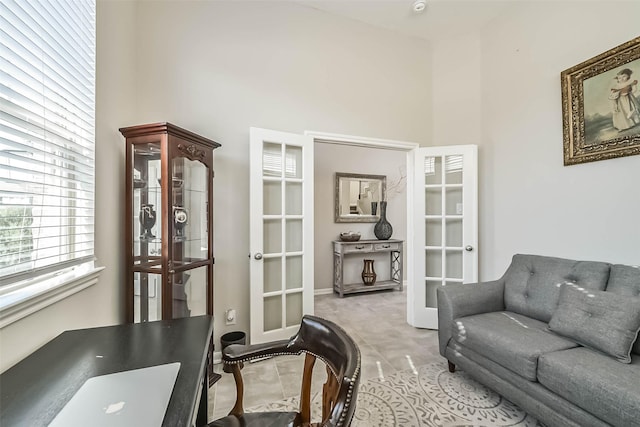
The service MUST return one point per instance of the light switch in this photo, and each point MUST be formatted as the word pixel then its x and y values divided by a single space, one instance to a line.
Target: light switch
pixel 459 208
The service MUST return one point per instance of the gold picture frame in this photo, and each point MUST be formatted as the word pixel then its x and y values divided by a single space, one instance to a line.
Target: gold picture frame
pixel 601 106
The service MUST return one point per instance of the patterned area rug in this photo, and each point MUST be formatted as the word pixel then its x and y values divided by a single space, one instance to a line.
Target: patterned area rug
pixel 433 397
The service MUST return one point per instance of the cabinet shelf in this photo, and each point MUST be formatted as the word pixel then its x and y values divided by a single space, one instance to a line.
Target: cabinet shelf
pixel 354 288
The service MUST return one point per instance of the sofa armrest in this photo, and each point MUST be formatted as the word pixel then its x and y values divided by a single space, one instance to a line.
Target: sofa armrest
pixel 459 300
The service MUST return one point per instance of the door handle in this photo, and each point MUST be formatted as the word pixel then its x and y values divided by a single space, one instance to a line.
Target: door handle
pixel 258 256
pixel 468 248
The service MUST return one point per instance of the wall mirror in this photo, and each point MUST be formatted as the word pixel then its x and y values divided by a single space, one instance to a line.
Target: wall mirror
pixel 357 197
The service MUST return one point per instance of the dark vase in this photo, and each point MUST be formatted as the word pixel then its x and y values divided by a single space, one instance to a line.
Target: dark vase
pixel 374 208
pixel 368 273
pixel 147 219
pixel 383 230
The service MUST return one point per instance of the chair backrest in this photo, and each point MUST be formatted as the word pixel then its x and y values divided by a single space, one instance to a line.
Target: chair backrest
pixel 323 339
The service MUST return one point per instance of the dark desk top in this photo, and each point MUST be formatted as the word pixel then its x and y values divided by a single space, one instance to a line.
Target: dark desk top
pixel 37 388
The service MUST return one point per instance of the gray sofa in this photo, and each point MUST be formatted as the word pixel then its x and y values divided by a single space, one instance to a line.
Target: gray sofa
pixel 554 336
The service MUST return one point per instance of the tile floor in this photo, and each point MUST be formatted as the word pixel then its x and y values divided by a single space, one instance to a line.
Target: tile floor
pixel 376 321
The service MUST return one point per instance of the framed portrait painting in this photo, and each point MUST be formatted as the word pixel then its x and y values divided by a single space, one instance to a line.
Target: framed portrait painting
pixel 601 106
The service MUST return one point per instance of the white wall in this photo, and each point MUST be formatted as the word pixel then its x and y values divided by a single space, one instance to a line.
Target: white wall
pixel 457 91
pixel 530 202
pixel 332 158
pixel 217 68
pixel 100 304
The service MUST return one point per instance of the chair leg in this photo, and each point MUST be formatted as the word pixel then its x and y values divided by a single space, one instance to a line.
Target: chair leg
pixel 452 366
pixel 238 409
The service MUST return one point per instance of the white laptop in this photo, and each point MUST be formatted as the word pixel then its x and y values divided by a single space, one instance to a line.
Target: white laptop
pixel 130 398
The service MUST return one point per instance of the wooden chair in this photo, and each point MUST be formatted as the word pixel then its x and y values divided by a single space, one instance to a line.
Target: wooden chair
pixel 318 339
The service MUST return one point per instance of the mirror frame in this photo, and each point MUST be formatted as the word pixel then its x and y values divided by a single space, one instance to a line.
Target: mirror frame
pixel 356 218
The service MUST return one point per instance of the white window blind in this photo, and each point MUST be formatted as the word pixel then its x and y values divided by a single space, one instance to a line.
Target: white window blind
pixel 47 133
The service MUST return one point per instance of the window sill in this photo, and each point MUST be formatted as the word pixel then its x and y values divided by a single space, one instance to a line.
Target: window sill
pixel 30 297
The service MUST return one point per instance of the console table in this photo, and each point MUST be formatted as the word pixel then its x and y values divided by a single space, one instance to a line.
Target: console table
pixel 348 251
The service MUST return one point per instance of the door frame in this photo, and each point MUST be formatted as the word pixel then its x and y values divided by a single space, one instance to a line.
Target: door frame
pixel 389 144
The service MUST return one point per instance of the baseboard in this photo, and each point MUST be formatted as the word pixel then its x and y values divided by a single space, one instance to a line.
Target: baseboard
pixel 323 291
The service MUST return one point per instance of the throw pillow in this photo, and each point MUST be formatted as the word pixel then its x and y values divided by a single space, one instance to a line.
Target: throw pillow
pixel 601 320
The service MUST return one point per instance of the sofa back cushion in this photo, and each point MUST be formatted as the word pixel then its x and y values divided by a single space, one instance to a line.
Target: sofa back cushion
pixel 533 283
pixel 625 280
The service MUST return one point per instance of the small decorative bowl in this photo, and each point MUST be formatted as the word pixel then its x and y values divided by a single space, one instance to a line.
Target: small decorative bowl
pixel 350 236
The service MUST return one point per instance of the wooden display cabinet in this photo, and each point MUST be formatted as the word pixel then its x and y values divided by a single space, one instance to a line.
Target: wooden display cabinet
pixel 169 239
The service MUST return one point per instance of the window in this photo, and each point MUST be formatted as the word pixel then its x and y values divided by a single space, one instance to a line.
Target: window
pixel 47 134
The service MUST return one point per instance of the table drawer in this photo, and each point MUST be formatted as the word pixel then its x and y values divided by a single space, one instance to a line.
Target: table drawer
pixel 386 246
pixel 362 247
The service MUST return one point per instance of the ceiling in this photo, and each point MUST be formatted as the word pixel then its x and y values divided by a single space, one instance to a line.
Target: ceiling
pixel 440 19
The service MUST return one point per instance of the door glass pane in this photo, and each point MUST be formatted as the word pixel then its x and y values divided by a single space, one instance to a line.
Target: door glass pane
pixel 453 264
pixel 272 313
pixel 453 169
pixel 294 308
pixel 454 232
pixel 272 198
pixel 293 162
pixel 433 201
pixel 432 288
pixel 294 272
pixel 294 198
pixel 189 195
pixel 454 201
pixel 433 170
pixel 294 235
pixel 433 263
pixel 147 199
pixel 272 274
pixel 433 232
pixel 190 292
pixel 147 297
pixel 272 236
pixel 272 159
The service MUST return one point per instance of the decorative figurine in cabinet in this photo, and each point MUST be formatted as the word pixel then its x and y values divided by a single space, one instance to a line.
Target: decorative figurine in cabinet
pixel 169 239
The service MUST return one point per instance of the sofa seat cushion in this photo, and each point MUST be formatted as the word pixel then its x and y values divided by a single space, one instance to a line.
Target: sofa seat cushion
pixel 594 382
pixel 512 340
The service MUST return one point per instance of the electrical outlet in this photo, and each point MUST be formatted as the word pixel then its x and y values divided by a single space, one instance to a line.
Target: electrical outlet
pixel 230 316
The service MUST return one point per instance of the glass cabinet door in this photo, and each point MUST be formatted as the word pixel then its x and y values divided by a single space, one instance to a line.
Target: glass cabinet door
pixel 147 232
pixel 190 240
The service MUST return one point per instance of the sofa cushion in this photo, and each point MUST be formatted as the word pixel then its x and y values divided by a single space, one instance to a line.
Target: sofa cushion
pixel 596 383
pixel 532 283
pixel 604 321
pixel 509 339
pixel 625 280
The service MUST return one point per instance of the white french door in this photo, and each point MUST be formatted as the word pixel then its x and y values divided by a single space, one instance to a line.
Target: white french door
pixel 281 233
pixel 443 225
